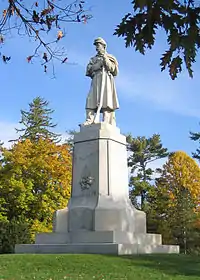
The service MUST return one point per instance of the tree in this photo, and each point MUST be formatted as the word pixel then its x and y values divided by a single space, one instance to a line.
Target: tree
pixel 70 139
pixel 175 202
pixel 38 19
pixel 195 136
pixel 179 19
pixel 143 151
pixel 37 121
pixel 35 180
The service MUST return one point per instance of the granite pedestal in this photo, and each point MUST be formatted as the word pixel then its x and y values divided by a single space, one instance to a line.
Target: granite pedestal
pixel 99 218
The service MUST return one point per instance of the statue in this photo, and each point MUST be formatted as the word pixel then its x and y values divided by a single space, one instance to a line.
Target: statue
pixel 102 97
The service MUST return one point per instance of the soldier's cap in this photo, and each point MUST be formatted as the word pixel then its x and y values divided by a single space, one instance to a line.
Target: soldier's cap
pixel 100 40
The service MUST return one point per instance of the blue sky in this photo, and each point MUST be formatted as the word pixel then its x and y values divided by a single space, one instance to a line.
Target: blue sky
pixel 149 101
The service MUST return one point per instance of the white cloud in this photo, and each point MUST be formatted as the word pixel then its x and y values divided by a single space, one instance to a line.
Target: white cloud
pixel 156 88
pixel 180 96
pixel 8 132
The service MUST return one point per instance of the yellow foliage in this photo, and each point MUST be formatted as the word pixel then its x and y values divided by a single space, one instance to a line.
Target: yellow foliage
pixel 181 171
pixel 35 181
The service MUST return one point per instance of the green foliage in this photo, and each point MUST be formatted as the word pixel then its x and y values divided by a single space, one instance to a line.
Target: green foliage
pixel 35 181
pixel 195 136
pixel 143 151
pixel 13 232
pixel 174 202
pixel 180 21
pixel 37 121
pixel 70 139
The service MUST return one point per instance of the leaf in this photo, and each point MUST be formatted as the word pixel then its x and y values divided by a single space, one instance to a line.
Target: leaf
pixel 1 39
pixel 175 67
pixel 85 20
pixel 45 12
pixel 165 59
pixel 35 17
pixel 45 57
pixel 59 35
pixel 29 58
pixel 6 58
pixel 139 4
pixel 4 13
pixel 78 18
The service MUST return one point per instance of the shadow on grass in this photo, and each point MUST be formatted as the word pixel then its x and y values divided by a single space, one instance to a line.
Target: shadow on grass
pixel 169 264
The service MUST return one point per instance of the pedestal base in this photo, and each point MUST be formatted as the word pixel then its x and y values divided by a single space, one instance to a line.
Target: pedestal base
pixel 98 242
pixel 100 218
pixel 93 248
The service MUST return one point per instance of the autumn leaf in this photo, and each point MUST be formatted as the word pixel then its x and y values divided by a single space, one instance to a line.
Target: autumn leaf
pixel 45 12
pixel 84 19
pixel 1 39
pixel 4 13
pixel 6 58
pixel 78 18
pixel 45 57
pixel 60 35
pixel 29 58
pixel 35 16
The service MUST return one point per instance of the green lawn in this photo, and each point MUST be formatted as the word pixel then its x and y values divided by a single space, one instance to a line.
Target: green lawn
pixel 56 267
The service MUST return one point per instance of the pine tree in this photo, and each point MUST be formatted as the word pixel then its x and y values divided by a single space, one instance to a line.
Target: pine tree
pixel 195 136
pixel 37 122
pixel 143 151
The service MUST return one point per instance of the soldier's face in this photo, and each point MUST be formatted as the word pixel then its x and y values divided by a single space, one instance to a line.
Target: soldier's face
pixel 100 48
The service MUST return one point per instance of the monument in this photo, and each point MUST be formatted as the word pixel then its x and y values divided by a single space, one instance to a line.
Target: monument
pixel 99 218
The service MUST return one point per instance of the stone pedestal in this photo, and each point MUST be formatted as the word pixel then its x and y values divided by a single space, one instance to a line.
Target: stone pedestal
pixel 100 217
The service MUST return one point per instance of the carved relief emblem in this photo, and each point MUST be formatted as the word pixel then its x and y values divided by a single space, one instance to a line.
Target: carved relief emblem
pixel 86 182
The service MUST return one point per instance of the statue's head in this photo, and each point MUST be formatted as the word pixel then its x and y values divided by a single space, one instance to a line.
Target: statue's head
pixel 100 45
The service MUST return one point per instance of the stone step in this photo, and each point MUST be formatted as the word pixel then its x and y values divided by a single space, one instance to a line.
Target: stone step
pixel 95 248
pixel 98 237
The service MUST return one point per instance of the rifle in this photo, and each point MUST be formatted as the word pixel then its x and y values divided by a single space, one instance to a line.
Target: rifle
pixel 100 104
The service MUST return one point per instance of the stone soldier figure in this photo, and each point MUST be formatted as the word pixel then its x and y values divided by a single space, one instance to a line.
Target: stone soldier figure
pixel 102 97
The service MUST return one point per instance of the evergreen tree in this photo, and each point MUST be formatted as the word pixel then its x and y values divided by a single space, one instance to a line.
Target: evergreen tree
pixel 195 136
pixel 37 122
pixel 143 151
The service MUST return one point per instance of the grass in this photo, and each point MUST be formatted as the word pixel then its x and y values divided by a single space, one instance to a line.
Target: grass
pixel 86 267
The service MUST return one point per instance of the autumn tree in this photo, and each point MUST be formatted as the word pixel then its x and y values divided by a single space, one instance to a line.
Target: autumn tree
pixel 39 21
pixel 37 122
pixel 35 180
pixel 195 136
pixel 175 202
pixel 142 152
pixel 178 19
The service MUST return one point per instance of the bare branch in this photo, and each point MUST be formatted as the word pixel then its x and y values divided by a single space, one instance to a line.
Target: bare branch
pixel 38 20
